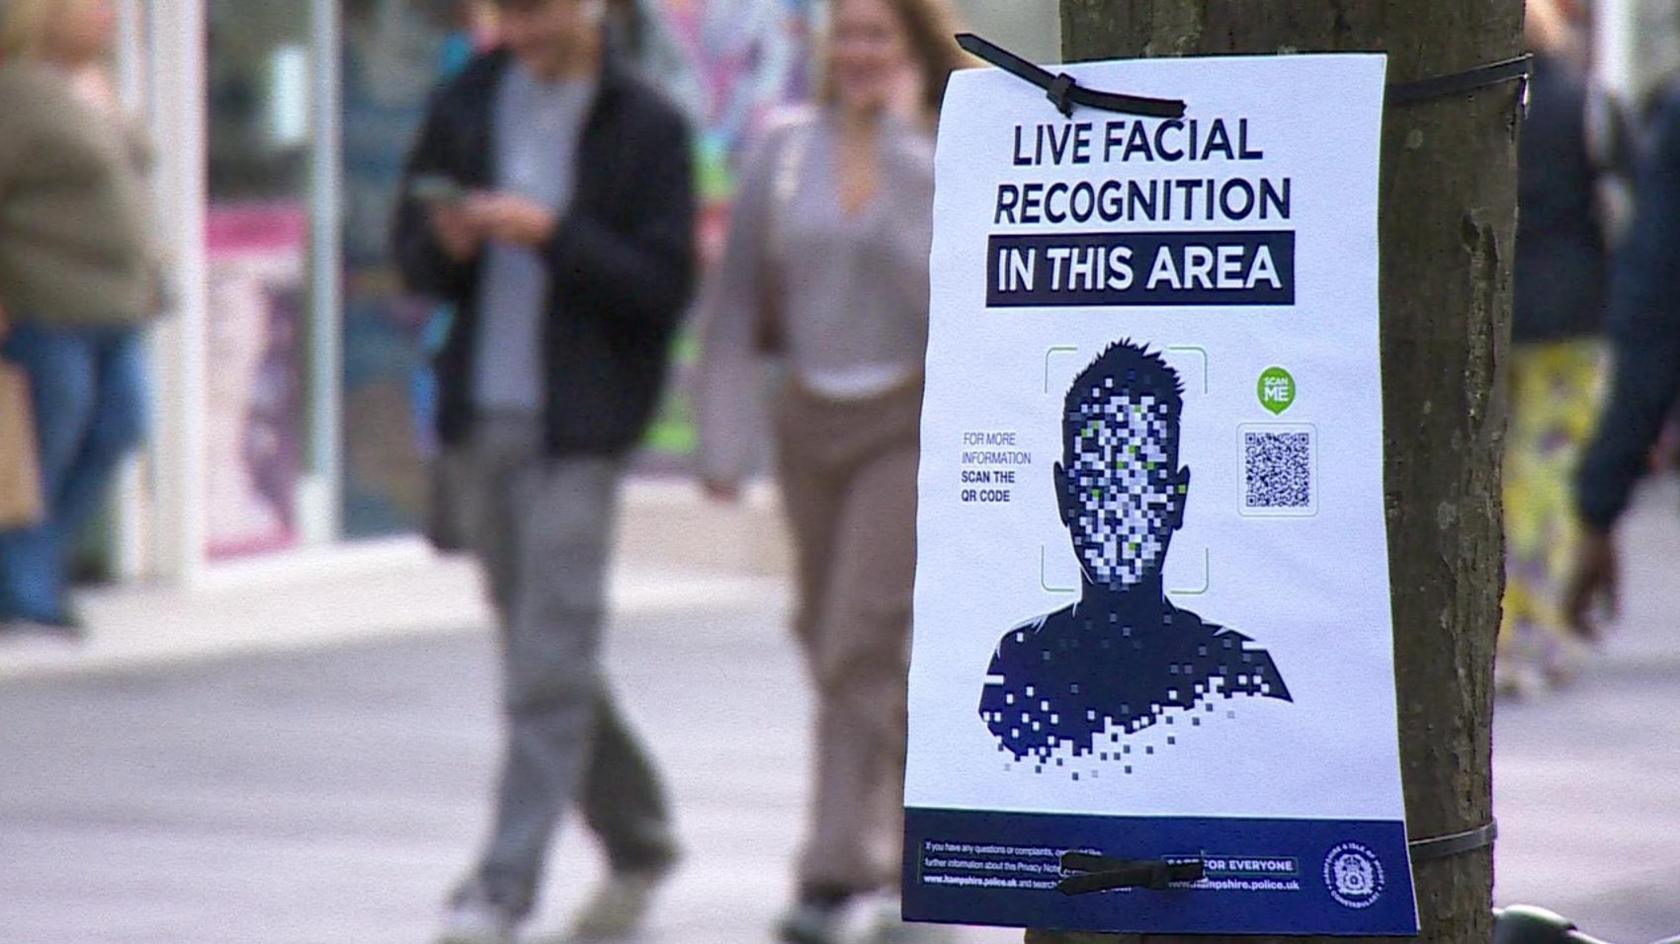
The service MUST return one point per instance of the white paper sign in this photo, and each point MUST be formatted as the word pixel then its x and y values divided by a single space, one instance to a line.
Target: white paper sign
pixel 1152 608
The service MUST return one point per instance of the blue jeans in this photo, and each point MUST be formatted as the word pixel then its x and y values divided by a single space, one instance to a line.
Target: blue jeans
pixel 88 389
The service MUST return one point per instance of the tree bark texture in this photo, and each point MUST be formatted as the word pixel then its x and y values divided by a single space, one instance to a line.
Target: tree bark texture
pixel 1447 229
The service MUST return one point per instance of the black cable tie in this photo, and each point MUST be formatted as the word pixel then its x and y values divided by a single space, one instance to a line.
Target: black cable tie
pixel 1441 847
pixel 1458 83
pixel 1104 874
pixel 1063 91
pixel 1060 93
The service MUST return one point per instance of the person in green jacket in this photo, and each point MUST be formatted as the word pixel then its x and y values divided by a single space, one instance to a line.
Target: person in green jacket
pixel 78 280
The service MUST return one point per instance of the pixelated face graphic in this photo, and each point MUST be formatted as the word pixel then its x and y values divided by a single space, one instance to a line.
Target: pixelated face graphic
pixel 1122 490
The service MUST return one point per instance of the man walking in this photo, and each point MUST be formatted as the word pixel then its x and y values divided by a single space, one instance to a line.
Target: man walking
pixel 1644 328
pixel 549 200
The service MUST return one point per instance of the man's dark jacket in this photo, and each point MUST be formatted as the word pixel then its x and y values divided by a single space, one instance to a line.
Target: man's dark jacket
pixel 1562 262
pixel 1644 324
pixel 621 263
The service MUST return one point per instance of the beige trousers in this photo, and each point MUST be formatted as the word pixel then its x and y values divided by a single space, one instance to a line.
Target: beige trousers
pixel 848 480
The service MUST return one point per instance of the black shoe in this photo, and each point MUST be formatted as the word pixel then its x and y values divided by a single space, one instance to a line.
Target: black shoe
pixel 810 923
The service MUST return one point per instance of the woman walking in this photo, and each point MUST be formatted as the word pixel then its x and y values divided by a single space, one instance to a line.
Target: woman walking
pixel 78 279
pixel 1568 163
pixel 826 270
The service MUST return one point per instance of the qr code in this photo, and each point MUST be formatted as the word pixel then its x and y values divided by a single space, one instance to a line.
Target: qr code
pixel 1277 470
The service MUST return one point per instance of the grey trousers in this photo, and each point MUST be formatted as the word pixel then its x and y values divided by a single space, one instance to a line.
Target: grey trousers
pixel 848 480
pixel 542 529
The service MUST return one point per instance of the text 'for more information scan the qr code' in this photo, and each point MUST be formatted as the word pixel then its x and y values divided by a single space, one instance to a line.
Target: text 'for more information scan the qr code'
pixel 1278 471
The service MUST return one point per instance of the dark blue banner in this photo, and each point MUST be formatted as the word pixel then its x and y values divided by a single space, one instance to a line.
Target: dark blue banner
pixel 1263 876
pixel 1115 269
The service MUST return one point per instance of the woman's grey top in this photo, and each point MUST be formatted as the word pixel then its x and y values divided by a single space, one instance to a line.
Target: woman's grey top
pixel 848 291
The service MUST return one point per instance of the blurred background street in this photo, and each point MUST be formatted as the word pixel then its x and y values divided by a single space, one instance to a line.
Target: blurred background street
pixel 326 785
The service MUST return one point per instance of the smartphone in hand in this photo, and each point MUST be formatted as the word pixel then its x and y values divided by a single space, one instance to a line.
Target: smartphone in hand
pixel 437 190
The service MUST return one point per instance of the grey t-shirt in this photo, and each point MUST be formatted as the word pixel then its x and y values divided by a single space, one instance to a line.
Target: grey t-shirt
pixel 537 125
pixel 848 290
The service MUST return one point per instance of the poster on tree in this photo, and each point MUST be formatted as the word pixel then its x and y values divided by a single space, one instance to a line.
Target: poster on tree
pixel 1152 602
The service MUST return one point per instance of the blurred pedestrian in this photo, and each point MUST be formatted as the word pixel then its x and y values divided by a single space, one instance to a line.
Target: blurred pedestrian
pixel 474 32
pixel 549 199
pixel 826 269
pixel 79 277
pixel 1644 329
pixel 1567 176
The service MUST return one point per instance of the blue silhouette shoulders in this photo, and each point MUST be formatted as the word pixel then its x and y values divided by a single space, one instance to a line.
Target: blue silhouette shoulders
pixel 1063 679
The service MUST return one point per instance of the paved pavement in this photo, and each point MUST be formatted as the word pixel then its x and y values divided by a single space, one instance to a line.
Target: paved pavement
pixel 333 795
pixel 327 788
pixel 1587 780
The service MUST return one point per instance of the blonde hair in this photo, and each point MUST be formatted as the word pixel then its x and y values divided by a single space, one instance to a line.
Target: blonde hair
pixel 1546 27
pixel 930 31
pixel 24 25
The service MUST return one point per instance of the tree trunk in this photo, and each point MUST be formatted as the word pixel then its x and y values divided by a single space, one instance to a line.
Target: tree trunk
pixel 1448 225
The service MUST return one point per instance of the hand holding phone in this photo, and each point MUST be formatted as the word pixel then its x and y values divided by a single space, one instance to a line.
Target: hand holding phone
pixel 446 203
pixel 437 190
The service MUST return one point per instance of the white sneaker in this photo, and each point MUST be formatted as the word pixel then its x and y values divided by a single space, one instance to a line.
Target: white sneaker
pixel 1565 662
pixel 618 908
pixel 474 919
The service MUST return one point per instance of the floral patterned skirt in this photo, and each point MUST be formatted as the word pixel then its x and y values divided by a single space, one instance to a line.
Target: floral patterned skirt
pixel 1556 389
